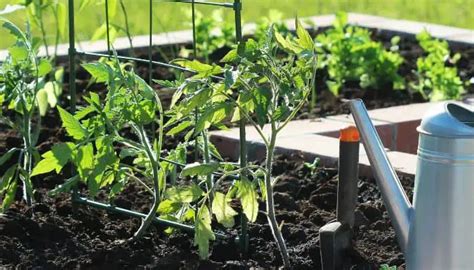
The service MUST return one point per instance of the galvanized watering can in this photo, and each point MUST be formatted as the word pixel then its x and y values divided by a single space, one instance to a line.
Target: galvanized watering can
pixel 437 231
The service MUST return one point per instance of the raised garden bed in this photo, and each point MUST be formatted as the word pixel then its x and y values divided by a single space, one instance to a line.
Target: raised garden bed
pixel 58 235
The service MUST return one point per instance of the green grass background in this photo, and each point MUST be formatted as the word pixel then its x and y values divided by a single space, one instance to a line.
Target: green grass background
pixel 172 16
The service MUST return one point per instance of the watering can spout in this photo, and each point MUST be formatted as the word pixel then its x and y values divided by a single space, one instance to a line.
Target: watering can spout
pixel 393 195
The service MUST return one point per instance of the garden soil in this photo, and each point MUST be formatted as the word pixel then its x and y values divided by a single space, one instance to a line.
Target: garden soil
pixel 55 234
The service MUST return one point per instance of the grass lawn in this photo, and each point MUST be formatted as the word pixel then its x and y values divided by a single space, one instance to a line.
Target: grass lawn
pixel 174 16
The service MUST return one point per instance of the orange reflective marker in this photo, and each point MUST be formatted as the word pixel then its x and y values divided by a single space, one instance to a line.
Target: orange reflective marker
pixel 349 134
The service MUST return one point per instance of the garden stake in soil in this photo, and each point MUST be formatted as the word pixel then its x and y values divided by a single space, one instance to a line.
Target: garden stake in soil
pixel 244 237
pixel 336 237
pixel 72 74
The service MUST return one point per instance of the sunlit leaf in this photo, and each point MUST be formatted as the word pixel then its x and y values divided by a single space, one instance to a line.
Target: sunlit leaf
pixel 203 231
pixel 72 125
pixel 221 208
pixel 248 198
pixel 197 168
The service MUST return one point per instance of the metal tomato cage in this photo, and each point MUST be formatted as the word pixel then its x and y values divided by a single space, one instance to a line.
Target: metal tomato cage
pixel 236 6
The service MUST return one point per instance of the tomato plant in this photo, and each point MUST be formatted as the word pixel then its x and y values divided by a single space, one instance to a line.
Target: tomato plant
pixel 95 131
pixel 270 92
pixel 25 95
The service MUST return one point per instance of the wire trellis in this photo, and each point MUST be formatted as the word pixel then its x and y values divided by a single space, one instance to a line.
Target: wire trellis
pixel 73 53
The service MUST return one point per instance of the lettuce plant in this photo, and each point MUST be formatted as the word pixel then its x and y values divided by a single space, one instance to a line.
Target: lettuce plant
pixel 438 78
pixel 350 55
pixel 25 95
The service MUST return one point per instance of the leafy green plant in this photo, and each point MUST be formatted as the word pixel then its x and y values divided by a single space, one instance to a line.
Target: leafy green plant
pixel 436 79
pixel 96 129
pixel 350 55
pixel 271 92
pixel 25 96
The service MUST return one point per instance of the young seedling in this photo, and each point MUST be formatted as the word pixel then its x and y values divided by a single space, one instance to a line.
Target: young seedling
pixel 271 92
pixel 26 95
pixel 436 80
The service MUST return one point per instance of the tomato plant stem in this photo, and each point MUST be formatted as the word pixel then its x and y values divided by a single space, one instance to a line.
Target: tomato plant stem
pixel 156 189
pixel 270 202
pixel 28 155
pixel 207 159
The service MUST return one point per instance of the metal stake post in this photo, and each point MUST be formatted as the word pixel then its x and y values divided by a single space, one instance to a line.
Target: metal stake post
pixel 72 71
pixel 335 237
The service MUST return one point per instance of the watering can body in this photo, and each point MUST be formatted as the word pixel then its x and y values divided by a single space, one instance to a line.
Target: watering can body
pixel 441 235
pixel 437 231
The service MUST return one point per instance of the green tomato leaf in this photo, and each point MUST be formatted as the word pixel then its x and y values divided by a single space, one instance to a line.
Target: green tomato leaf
pixel 99 71
pixel 221 208
pixel 84 160
pixel 18 53
pixel 10 196
pixel 304 39
pixel 201 169
pixel 42 100
pixel 248 198
pixel 230 57
pixel 179 128
pixel 52 89
pixel 203 70
pixel 8 155
pixel 285 43
pixel 212 115
pixel 44 67
pixel 55 159
pixel 203 232
pixel 14 30
pixel 72 125
pixel 186 194
pixel 168 207
pixel 7 178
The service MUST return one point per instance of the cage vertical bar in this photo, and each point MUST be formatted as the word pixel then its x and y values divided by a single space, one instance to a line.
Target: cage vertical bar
pixel 107 26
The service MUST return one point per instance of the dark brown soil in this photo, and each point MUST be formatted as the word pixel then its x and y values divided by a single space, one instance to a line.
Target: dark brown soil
pixel 61 237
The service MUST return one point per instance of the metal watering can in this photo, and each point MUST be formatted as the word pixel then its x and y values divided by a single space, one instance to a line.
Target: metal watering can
pixel 437 231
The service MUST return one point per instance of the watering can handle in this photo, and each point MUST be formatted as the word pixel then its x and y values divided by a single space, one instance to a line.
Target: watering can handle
pixel 393 195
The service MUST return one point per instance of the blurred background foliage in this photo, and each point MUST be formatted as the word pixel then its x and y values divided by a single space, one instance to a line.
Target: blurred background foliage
pixel 176 16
